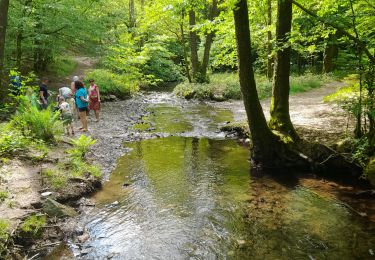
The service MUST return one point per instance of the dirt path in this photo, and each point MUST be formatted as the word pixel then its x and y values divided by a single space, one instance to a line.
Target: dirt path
pixel 83 64
pixel 310 115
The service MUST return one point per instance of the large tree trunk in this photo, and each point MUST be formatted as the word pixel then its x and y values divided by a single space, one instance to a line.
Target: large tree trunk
pixel 266 149
pixel 209 39
pixel 330 53
pixel 4 5
pixel 280 118
pixel 193 45
pixel 269 41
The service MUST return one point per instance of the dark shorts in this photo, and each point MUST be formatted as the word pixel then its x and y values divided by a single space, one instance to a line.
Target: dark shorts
pixel 83 109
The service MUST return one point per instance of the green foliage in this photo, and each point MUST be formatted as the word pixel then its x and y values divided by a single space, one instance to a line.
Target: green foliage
pixel 110 83
pixel 33 226
pixel 225 86
pixel 76 163
pixel 3 196
pixel 81 146
pixel 362 151
pixel 56 177
pixel 62 66
pixel 308 81
pixel 351 99
pixel 40 124
pixel 12 140
pixel 4 236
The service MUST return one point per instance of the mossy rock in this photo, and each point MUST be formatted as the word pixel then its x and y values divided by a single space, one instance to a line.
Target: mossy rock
pixel 370 171
pixel 241 128
pixel 54 209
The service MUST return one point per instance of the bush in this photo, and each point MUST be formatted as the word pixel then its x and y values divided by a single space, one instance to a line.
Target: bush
pixel 110 83
pixel 32 227
pixel 40 124
pixel 12 140
pixel 81 146
pixel 225 86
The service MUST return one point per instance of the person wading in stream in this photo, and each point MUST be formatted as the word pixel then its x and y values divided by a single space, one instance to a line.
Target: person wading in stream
pixel 82 104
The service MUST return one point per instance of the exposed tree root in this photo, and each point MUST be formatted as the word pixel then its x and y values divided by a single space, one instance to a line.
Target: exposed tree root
pixel 304 156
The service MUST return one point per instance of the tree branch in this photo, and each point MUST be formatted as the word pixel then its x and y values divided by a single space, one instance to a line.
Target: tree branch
pixel 360 44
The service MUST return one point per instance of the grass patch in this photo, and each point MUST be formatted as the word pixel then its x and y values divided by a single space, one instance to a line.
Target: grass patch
pixel 32 227
pixel 122 86
pixel 224 86
pixel 62 66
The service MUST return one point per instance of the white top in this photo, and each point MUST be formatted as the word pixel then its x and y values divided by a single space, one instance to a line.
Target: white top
pixel 65 108
pixel 65 91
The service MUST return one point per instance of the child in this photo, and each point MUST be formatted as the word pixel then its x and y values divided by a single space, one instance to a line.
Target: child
pixel 66 114
pixel 72 104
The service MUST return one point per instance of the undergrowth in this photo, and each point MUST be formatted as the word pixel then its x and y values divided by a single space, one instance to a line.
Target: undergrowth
pixel 109 83
pixel 224 86
pixel 62 66
pixel 75 166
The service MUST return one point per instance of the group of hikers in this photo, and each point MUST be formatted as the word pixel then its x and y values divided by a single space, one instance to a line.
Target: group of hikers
pixel 73 101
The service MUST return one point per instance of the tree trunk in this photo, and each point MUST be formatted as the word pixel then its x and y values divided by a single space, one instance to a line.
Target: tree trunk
pixel 330 52
pixel 264 144
pixel 269 41
pixel 279 109
pixel 183 44
pixel 209 39
pixel 4 5
pixel 193 45
pixel 132 20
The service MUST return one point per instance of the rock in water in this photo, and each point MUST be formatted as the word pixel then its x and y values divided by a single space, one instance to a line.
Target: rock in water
pixel 54 209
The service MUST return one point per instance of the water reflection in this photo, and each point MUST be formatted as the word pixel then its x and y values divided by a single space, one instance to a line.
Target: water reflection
pixel 190 198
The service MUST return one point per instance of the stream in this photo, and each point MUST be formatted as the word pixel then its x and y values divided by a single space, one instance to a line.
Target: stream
pixel 184 190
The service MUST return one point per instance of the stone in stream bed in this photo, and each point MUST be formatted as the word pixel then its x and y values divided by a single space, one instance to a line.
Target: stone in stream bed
pixel 54 209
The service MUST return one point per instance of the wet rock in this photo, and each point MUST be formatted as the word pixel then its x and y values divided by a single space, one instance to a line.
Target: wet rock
pixel 115 203
pixel 83 238
pixel 54 209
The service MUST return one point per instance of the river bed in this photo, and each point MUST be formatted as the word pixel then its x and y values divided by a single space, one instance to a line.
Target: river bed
pixel 184 190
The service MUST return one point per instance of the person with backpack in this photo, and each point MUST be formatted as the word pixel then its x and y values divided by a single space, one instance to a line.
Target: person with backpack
pixel 66 114
pixel 94 98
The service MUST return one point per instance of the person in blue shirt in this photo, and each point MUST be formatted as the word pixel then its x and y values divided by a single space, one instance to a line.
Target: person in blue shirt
pixel 82 103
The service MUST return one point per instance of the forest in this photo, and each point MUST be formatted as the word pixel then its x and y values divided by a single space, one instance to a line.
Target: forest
pixel 228 129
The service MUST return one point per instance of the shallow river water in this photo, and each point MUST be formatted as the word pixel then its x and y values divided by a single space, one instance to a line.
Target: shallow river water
pixel 190 195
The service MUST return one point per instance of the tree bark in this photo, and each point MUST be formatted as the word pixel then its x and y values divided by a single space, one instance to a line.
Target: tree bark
pixel 263 141
pixel 183 44
pixel 279 109
pixel 132 21
pixel 209 39
pixel 193 45
pixel 269 41
pixel 4 6
pixel 330 52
